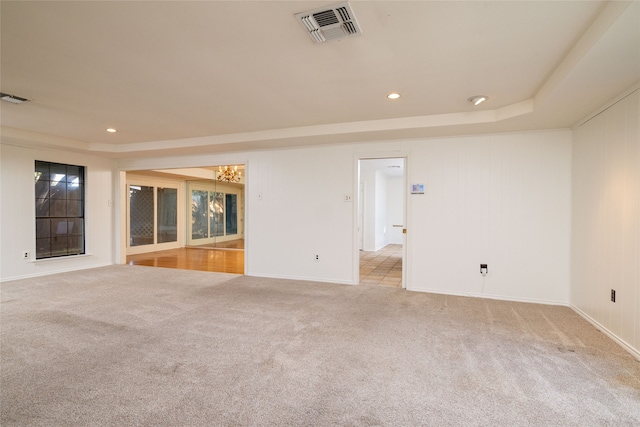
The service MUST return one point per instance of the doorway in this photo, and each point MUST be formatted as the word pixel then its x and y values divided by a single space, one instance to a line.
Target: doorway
pixel 186 218
pixel 381 221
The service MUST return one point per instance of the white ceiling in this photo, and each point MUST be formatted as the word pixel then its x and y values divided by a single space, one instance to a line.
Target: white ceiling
pixel 213 76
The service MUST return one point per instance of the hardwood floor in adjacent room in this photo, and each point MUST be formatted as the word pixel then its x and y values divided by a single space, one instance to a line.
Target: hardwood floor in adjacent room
pixel 202 259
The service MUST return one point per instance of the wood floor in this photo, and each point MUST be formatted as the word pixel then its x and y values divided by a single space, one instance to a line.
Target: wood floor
pixel 196 258
pixel 229 244
pixel 383 267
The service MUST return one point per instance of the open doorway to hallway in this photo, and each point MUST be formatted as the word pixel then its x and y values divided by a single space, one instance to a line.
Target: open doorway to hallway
pixel 381 221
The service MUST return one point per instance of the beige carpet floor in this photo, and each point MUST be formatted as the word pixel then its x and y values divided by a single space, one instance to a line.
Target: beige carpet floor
pixel 140 346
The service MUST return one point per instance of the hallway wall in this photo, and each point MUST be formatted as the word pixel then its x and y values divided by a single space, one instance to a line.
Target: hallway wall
pixel 606 220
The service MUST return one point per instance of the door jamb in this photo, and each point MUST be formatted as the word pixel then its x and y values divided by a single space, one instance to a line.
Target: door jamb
pixel 356 191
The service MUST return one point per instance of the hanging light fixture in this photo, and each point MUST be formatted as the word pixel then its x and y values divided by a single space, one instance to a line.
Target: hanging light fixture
pixel 229 174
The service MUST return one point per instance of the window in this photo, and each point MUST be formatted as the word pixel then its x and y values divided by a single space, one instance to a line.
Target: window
pixel 59 209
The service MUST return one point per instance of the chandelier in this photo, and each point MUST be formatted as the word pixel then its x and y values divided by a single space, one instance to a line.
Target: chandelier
pixel 229 174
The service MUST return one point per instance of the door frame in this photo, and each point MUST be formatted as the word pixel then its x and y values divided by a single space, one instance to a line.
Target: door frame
pixel 356 232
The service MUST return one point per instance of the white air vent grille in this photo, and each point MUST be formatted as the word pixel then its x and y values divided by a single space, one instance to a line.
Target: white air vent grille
pixel 329 23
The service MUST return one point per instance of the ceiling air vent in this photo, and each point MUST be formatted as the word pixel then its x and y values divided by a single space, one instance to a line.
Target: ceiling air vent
pixel 329 23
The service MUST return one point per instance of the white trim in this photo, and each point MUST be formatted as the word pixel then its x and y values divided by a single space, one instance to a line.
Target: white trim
pixel 493 297
pixel 49 273
pixel 59 258
pixel 302 278
pixel 634 352
pixel 605 106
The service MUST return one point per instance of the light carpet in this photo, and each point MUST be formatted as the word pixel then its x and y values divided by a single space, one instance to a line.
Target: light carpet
pixel 130 345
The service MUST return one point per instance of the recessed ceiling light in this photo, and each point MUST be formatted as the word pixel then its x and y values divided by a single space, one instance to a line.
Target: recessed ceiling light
pixel 12 98
pixel 112 130
pixel 478 99
pixel 393 95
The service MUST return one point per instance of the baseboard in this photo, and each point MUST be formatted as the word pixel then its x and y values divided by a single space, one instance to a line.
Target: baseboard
pixel 634 352
pixel 49 273
pixel 494 297
pixel 303 278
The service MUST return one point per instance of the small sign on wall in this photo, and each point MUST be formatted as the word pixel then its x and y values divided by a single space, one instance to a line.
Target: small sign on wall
pixel 417 188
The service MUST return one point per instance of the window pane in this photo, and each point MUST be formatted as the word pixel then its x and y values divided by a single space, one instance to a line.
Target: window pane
pixel 140 215
pixel 42 208
pixel 43 228
pixel 43 248
pixel 76 245
pixel 167 215
pixel 232 214
pixel 216 214
pixel 58 208
pixel 42 171
pixel 74 191
pixel 73 174
pixel 199 214
pixel 76 227
pixel 74 208
pixel 58 190
pixel 42 189
pixel 59 245
pixel 61 227
pixel 58 172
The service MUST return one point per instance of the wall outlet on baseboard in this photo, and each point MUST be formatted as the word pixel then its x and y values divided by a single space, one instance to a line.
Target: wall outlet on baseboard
pixel 613 295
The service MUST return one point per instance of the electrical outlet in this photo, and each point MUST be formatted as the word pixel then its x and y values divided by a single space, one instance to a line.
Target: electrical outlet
pixel 25 255
pixel 484 269
pixel 613 295
pixel 317 257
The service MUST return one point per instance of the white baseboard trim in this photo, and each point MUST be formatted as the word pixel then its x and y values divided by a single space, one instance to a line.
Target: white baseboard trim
pixel 49 272
pixel 303 278
pixel 494 297
pixel 634 352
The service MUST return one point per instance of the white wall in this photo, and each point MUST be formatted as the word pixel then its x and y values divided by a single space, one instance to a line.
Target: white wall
pixel 383 208
pixel 606 220
pixel 368 179
pixel 395 209
pixel 497 199
pixel 382 236
pixel 18 212
pixel 503 200
pixel 301 213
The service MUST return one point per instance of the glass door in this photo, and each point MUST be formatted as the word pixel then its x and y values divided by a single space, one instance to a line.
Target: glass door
pixel 152 216
pixel 216 214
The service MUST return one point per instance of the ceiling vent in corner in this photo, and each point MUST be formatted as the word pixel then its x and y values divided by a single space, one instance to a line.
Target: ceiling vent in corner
pixel 329 23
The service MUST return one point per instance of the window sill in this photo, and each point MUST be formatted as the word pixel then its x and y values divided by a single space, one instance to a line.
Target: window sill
pixel 59 258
